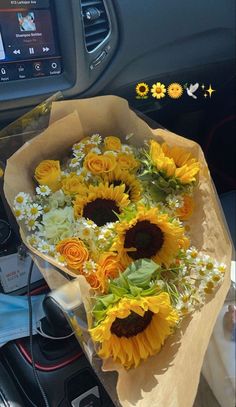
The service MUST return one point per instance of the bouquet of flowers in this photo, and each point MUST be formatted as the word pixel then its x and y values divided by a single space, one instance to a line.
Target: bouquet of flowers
pixel 121 211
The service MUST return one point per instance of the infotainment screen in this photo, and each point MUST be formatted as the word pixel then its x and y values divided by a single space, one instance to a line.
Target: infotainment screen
pixel 28 41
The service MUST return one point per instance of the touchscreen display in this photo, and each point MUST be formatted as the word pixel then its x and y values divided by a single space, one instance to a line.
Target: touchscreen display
pixel 28 45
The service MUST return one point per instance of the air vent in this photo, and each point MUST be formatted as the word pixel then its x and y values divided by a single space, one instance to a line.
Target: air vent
pixel 96 23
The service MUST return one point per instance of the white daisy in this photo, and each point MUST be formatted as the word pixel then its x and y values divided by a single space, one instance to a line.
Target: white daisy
pixel 79 155
pixel 96 138
pixel 95 150
pixel 75 162
pixel 45 247
pixel 126 149
pixel 43 190
pixel 22 199
pixel 33 240
pixel 60 260
pixel 34 210
pixel 89 266
pixel 31 224
pixel 19 213
pixel 192 254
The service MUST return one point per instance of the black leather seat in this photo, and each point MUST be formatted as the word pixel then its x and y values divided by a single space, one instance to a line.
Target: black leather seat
pixel 9 396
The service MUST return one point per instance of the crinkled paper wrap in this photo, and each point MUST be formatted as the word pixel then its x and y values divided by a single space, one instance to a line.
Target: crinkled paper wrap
pixel 170 378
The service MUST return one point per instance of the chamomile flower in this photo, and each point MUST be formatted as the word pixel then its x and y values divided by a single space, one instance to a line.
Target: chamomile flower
pixel 192 254
pixel 45 247
pixel 95 150
pixel 96 139
pixel 89 266
pixel 34 210
pixel 33 240
pixel 126 149
pixel 78 146
pixel 19 213
pixel 60 259
pixel 79 155
pixel 32 224
pixel 74 162
pixel 43 190
pixel 174 202
pixel 21 199
pixel 184 304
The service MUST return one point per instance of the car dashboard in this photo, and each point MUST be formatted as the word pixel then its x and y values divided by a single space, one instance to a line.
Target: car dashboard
pixel 89 47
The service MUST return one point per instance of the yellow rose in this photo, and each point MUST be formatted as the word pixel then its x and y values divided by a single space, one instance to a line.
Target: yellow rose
pixel 98 164
pixel 112 143
pixel 48 173
pixel 127 161
pixel 73 184
pixel 74 252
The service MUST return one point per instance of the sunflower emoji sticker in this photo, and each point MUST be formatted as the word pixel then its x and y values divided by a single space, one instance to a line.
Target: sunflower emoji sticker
pixel 142 90
pixel 158 90
pixel 175 90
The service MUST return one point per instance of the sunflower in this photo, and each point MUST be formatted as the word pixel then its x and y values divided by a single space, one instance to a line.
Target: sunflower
pixel 149 235
pixel 187 167
pixel 101 203
pixel 158 90
pixel 142 89
pixel 132 185
pixel 134 329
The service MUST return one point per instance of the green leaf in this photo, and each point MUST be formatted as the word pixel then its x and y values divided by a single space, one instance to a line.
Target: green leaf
pixel 99 315
pixel 107 300
pixel 157 194
pixel 135 291
pixel 118 291
pixel 140 272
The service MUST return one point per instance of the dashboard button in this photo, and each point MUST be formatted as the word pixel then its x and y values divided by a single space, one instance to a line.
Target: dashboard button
pixel 4 74
pixel 38 66
pixel 54 67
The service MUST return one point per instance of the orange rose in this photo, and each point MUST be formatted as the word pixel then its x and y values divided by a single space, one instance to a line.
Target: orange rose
pixel 112 143
pixel 73 185
pixel 74 251
pixel 126 161
pixel 186 210
pixel 109 267
pixel 93 280
pixel 98 164
pixel 48 173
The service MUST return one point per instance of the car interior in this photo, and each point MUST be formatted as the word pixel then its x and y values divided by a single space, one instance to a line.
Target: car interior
pixel 74 49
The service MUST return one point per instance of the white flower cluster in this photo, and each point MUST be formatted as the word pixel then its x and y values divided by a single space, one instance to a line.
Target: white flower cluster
pixel 195 276
pixel 79 149
pixel 25 209
pixel 106 235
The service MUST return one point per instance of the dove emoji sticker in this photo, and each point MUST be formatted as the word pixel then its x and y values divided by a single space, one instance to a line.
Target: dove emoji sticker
pixel 192 89
pixel 175 90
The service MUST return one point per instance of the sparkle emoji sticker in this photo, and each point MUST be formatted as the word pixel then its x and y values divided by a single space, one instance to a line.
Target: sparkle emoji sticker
pixel 158 90
pixel 142 90
pixel 175 90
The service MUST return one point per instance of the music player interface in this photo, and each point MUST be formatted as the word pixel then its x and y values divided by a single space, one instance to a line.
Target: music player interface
pixel 27 34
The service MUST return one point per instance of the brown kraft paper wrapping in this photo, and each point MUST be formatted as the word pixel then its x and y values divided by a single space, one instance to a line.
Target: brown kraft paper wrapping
pixel 170 378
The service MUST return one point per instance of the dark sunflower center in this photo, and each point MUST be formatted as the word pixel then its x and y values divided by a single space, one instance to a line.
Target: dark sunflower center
pixel 100 211
pixel 132 325
pixel 146 238
pixel 142 88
